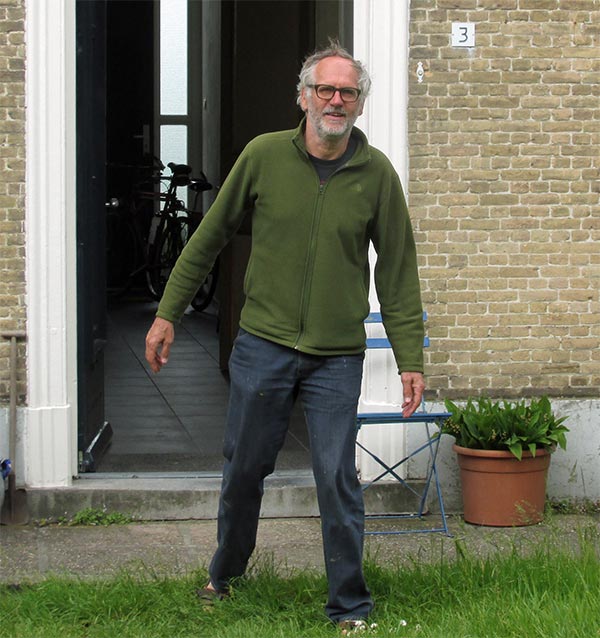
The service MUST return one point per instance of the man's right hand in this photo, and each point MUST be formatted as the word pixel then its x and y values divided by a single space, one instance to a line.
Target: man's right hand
pixel 158 343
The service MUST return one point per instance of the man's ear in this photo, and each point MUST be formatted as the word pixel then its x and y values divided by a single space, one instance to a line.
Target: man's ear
pixel 303 99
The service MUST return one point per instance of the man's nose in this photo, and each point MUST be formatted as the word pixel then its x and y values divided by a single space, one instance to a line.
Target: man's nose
pixel 336 99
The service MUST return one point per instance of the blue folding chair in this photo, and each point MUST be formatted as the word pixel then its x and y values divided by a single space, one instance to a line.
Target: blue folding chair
pixel 432 422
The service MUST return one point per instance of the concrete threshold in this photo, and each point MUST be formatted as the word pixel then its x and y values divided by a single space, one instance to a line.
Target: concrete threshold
pixel 185 496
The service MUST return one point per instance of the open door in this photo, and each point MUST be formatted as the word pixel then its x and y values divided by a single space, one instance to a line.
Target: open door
pixel 94 433
pixel 285 31
pixel 264 44
pixel 241 62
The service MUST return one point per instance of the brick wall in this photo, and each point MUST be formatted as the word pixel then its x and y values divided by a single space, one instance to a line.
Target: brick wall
pixel 12 184
pixel 504 194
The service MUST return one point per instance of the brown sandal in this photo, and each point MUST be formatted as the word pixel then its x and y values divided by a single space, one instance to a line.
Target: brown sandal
pixel 208 596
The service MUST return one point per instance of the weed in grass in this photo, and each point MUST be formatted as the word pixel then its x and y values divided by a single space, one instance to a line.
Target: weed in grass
pixel 89 516
pixel 94 516
pixel 573 506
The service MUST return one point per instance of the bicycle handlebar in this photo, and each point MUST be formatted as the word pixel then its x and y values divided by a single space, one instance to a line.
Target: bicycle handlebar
pixel 180 176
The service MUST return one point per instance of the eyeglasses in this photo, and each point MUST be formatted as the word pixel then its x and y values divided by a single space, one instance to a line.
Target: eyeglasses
pixel 326 92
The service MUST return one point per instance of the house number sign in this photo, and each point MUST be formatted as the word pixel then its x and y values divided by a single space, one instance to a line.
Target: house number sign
pixel 463 34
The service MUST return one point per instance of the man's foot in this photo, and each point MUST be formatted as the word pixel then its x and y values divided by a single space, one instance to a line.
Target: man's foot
pixel 352 626
pixel 208 595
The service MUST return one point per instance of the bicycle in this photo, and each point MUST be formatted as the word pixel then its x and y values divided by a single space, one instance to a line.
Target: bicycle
pixel 128 220
pixel 177 224
pixel 136 244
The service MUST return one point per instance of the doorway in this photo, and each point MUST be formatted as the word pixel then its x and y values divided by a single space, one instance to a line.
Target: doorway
pixel 244 57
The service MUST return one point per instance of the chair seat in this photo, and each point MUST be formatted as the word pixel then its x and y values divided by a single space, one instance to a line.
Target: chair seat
pixel 392 417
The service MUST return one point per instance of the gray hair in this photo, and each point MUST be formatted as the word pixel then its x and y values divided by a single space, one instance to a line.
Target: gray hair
pixel 334 50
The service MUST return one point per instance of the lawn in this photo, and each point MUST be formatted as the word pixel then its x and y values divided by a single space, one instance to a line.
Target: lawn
pixel 548 592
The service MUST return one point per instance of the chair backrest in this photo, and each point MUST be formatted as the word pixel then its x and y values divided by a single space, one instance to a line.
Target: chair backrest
pixel 380 343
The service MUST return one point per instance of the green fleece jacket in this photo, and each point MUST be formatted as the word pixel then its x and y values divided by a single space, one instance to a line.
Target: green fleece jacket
pixel 307 280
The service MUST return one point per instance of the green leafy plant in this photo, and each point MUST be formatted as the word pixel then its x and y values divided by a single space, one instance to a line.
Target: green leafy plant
pixel 483 424
pixel 93 516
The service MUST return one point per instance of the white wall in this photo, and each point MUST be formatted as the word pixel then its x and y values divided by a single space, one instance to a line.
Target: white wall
pixel 575 473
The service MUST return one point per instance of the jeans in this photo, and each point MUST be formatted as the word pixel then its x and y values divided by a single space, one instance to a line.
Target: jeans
pixel 265 380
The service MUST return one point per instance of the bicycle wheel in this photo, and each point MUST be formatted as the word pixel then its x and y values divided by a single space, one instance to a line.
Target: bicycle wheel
pixel 167 248
pixel 206 292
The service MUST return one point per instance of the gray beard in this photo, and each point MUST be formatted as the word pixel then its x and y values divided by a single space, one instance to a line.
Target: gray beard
pixel 325 132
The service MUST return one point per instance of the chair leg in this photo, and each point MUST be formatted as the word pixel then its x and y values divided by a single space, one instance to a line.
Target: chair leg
pixel 432 444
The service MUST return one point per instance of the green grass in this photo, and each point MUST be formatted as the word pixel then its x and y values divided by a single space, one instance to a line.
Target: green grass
pixel 545 592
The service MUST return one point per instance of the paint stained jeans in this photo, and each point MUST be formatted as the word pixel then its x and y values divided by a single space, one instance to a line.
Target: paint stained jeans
pixel 265 378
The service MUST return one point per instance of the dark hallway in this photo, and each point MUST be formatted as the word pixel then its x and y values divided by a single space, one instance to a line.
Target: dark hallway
pixel 172 421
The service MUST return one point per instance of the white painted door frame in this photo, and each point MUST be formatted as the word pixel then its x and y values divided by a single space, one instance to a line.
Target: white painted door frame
pixel 49 440
pixel 381 39
pixel 49 437
pixel 381 42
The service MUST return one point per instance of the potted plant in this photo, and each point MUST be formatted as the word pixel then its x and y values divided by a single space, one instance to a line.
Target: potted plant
pixel 503 450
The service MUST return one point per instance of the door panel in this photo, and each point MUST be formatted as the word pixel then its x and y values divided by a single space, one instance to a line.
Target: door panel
pixel 93 432
pixel 129 92
pixel 263 45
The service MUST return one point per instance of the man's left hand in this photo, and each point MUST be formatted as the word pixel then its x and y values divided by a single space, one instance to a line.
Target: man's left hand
pixel 413 386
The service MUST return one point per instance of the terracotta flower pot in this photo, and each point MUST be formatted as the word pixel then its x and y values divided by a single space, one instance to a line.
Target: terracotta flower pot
pixel 501 491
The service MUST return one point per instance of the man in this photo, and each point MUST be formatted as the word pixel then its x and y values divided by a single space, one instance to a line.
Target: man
pixel 318 195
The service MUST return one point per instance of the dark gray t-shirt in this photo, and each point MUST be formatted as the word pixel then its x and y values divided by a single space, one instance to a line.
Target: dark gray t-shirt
pixel 326 168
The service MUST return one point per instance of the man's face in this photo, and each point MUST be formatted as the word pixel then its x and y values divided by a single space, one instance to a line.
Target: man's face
pixel 333 118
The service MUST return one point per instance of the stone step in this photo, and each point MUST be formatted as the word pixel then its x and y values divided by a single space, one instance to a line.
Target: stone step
pixel 187 496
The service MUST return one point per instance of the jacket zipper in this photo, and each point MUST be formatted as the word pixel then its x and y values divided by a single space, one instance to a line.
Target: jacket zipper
pixel 308 272
pixel 316 217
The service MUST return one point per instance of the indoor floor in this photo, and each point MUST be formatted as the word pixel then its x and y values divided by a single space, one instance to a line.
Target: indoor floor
pixel 172 421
